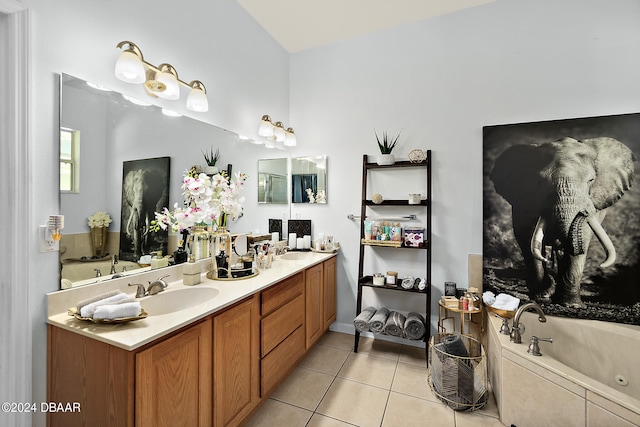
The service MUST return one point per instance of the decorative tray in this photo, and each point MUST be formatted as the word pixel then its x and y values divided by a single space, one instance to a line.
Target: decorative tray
pixel 210 276
pixel 322 251
pixel 73 311
pixel 506 314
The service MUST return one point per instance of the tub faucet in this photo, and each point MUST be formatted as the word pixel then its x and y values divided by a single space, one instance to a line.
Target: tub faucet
pixel 114 261
pixel 518 328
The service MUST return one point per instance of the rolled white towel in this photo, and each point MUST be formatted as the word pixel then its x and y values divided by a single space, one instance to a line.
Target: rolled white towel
pixel 488 297
pixel 118 311
pixel 506 302
pixel 88 301
pixel 89 309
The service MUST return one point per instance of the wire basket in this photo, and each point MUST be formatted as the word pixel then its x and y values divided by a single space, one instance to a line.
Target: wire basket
pixel 458 371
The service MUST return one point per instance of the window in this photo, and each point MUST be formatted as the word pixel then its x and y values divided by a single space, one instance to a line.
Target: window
pixel 69 160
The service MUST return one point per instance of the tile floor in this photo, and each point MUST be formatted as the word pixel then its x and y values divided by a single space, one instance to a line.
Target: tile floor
pixel 384 384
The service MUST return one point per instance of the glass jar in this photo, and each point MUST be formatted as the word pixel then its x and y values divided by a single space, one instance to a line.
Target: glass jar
pixel 199 242
pixel 220 242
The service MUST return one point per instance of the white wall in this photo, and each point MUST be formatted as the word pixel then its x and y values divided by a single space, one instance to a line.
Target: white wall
pixel 245 72
pixel 440 81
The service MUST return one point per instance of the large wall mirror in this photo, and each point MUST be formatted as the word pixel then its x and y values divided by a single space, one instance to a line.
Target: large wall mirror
pixel 100 132
pixel 273 176
pixel 309 179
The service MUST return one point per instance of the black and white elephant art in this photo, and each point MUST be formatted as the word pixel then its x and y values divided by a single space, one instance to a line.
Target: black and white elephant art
pixel 144 192
pixel 559 193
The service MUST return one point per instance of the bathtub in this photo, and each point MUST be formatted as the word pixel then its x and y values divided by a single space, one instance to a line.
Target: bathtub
pixel 588 376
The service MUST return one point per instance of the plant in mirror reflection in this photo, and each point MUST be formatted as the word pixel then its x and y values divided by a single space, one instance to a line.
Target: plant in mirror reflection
pixel 317 198
pixel 205 200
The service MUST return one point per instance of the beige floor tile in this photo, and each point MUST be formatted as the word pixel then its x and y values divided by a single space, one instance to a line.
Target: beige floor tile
pixel 303 388
pixel 379 348
pixel 413 355
pixel 318 420
pixel 413 380
pixel 407 411
pixel 274 413
pixel 476 419
pixel 337 340
pixel 324 359
pixel 491 408
pixel 354 403
pixel 364 368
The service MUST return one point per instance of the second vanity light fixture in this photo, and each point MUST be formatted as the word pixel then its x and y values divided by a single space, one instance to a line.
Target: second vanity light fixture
pixel 276 132
pixel 161 81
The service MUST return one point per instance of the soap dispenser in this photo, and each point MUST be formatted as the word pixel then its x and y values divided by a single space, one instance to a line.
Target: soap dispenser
pixel 180 255
pixel 191 272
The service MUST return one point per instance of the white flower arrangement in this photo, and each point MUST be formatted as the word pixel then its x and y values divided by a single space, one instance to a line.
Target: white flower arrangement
pixel 99 219
pixel 318 198
pixel 206 199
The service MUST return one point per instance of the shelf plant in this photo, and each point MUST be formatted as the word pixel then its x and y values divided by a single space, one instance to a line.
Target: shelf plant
pixel 386 146
pixel 211 158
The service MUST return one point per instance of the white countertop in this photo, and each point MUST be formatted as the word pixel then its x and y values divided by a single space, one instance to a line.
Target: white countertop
pixel 135 334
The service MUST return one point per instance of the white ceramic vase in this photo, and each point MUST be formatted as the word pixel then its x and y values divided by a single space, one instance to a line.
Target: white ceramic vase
pixel 386 159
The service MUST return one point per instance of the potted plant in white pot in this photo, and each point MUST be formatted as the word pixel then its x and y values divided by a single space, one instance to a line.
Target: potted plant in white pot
pixel 386 147
pixel 211 158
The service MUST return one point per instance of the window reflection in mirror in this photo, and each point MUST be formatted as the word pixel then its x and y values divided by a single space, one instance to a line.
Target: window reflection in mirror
pixel 309 179
pixel 272 181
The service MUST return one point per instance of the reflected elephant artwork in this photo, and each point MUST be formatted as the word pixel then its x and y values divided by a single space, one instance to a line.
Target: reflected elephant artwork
pixel 561 218
pixel 145 190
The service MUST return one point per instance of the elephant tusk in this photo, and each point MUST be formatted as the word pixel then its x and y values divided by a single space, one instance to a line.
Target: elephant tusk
pixel 536 240
pixel 604 240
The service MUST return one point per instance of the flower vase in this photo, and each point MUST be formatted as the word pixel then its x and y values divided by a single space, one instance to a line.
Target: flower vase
pixel 199 242
pixel 99 240
pixel 220 250
pixel 211 170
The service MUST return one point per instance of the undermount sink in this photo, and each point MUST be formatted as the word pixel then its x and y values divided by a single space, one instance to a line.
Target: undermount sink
pixel 295 256
pixel 170 301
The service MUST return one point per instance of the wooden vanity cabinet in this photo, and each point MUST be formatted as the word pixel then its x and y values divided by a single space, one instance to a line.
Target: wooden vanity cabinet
pixel 329 293
pixel 314 304
pixel 163 384
pixel 282 330
pixel 236 369
pixel 173 380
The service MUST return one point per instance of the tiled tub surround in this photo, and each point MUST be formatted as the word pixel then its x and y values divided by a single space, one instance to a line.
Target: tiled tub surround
pixel 573 383
pixel 130 336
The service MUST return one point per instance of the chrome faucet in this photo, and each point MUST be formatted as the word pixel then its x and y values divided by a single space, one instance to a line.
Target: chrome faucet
pixel 98 272
pixel 156 286
pixel 141 292
pixel 114 261
pixel 518 328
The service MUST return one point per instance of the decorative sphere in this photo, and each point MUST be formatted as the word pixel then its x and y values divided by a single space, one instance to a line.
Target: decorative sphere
pixel 377 198
pixel 417 156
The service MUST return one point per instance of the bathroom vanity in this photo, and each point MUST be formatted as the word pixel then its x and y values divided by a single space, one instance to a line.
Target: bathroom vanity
pixel 210 362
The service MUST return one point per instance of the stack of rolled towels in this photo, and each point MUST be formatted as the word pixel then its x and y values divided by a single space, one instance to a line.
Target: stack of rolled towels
pixel 108 306
pixel 385 321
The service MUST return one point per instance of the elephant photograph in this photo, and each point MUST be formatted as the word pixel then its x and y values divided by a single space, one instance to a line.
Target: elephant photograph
pixel 561 215
pixel 145 190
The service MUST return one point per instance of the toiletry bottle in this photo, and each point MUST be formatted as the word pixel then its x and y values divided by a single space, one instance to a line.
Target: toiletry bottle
pixel 180 255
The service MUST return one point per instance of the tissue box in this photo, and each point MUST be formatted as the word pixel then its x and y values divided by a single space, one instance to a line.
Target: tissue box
pixel 414 237
pixel 450 302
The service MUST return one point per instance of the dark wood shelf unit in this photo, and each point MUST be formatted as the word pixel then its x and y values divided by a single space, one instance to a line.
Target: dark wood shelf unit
pixel 367 281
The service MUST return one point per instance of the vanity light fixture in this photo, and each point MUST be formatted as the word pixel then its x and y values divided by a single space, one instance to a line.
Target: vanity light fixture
pixel 276 132
pixel 161 81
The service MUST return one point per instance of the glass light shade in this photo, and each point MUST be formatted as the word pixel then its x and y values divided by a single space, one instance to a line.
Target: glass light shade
pixel 172 91
pixel 266 129
pixel 129 68
pixel 135 101
pixel 197 101
pixel 290 138
pixel 278 132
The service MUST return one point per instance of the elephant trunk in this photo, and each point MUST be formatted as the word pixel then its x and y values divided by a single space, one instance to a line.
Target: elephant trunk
pixel 536 240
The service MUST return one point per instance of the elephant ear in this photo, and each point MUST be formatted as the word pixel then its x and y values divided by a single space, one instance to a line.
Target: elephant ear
pixel 514 172
pixel 614 171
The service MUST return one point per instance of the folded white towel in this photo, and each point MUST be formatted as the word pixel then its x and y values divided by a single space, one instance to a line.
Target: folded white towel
pixel 118 311
pixel 89 309
pixel 88 301
pixel 506 302
pixel 488 297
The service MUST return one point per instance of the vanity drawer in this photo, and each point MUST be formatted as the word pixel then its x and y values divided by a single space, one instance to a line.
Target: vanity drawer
pixel 279 324
pixel 279 294
pixel 277 364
